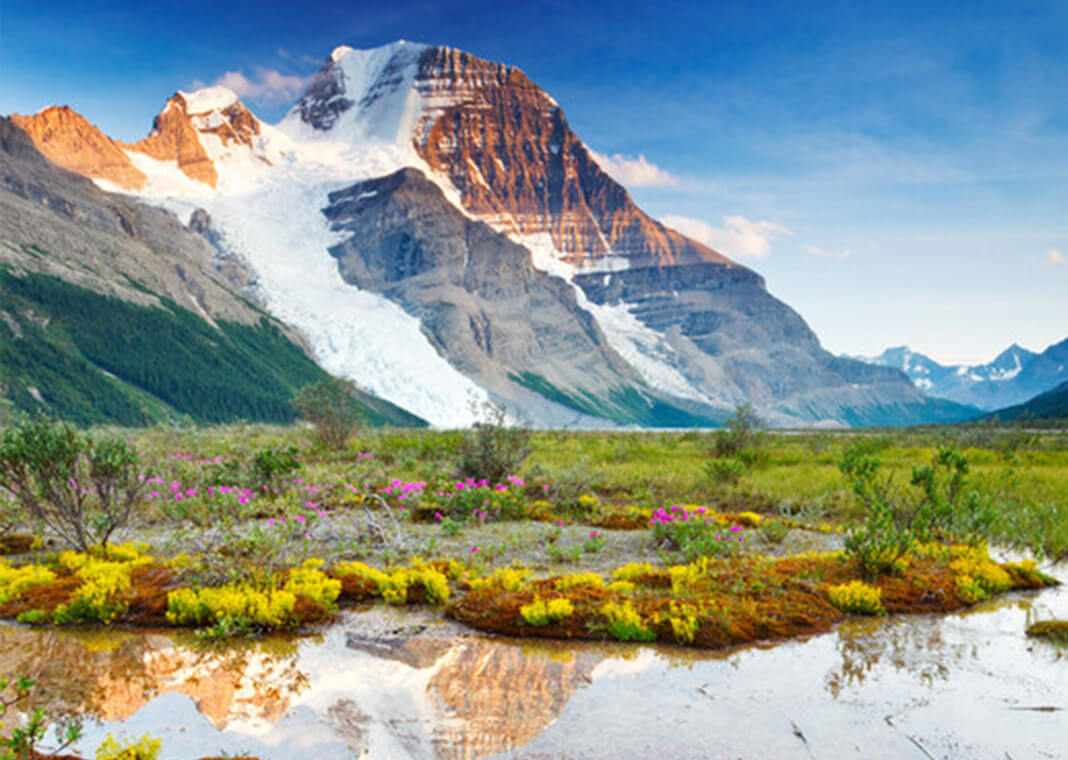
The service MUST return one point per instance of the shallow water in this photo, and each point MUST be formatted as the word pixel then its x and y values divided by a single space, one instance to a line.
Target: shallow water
pixel 393 684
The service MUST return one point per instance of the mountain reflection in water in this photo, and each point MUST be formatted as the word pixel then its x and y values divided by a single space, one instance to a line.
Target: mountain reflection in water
pixel 406 685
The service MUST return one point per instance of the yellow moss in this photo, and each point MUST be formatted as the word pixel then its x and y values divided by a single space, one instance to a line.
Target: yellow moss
pixel 565 582
pixel 684 577
pixel 394 587
pixel 632 571
pixel 749 519
pixel 969 590
pixel 105 590
pixel 621 587
pixel 683 619
pixel 313 583
pixel 625 623
pixel 15 580
pixel 857 597
pixel 271 608
pixel 372 574
pixel 503 578
pixel 145 748
pixel 542 612
pixel 974 565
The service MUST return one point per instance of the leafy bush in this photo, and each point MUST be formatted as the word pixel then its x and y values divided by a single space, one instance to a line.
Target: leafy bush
pixel 491 448
pixel 939 508
pixel 272 465
pixel 84 490
pixel 22 744
pixel 332 408
pixel 741 432
pixel 725 471
pixel 885 535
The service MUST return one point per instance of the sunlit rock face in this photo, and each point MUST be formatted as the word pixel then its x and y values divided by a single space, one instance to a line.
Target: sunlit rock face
pixel 69 140
pixel 507 147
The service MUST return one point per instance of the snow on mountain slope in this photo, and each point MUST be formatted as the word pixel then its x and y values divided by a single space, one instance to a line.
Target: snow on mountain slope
pixel 267 208
pixel 696 327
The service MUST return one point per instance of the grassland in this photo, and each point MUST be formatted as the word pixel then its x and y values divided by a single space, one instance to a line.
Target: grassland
pixel 666 536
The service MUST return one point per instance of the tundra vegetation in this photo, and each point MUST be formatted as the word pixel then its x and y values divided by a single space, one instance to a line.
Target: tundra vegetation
pixel 634 536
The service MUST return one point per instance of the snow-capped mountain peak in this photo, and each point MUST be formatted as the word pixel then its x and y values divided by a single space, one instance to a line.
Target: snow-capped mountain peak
pixel 1013 376
pixel 360 95
pixel 215 98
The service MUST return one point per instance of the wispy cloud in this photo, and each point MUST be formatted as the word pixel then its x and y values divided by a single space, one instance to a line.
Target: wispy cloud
pixel 634 172
pixel 1055 258
pixel 824 253
pixel 739 237
pixel 269 85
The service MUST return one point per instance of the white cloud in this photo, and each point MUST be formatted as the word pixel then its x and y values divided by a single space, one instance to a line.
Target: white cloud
pixel 824 253
pixel 739 236
pixel 1055 258
pixel 266 84
pixel 634 172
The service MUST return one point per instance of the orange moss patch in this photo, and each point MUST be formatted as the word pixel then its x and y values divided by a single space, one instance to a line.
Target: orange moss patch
pixel 16 543
pixel 356 588
pixel 717 602
pixel 148 602
pixel 729 603
pixel 45 597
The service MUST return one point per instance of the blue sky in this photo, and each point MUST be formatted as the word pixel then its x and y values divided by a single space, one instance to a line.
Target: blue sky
pixel 897 172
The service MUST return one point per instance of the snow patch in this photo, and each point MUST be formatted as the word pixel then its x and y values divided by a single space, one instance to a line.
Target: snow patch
pixel 208 99
pixel 165 179
pixel 640 346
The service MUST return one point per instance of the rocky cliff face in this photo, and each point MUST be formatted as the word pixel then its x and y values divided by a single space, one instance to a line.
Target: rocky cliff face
pixel 70 141
pixel 480 299
pixel 503 143
pixel 507 147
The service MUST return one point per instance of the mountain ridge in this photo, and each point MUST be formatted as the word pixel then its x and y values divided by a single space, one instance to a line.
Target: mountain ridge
pixel 1014 376
pixel 690 322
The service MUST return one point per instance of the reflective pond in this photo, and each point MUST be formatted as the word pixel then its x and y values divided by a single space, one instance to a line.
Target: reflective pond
pixel 386 683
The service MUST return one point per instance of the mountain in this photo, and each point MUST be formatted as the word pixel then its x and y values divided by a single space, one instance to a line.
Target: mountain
pixel 433 228
pixel 1014 376
pixel 1051 405
pixel 112 312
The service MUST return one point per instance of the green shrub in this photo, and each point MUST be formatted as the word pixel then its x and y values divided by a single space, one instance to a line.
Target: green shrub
pixel 84 490
pixel 272 465
pixel 332 408
pixel 741 432
pixel 491 448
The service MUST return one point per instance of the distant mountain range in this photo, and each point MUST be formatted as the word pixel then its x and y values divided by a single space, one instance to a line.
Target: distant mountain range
pixel 1013 377
pixel 1051 405
pixel 427 223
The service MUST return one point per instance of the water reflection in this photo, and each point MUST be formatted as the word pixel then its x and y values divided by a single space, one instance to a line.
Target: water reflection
pixel 402 685
pixel 111 674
